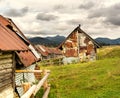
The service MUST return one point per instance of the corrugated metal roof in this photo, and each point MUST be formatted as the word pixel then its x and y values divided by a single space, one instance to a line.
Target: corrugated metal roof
pixel 47 50
pixel 26 57
pixel 42 50
pixel 55 51
pixel 4 21
pixel 10 41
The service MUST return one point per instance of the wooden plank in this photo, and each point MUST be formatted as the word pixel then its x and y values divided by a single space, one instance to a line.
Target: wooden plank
pixel 30 71
pixel 5 56
pixel 5 71
pixel 5 86
pixel 4 66
pixel 5 78
pixel 5 75
pixel 41 83
pixel 5 83
pixel 6 61
pixel 29 92
pixel 46 93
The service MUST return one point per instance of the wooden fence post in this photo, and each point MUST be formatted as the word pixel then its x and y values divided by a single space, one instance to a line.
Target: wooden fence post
pixel 45 85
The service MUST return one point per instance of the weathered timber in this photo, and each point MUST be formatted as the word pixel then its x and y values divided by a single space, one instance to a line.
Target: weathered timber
pixel 5 75
pixel 6 56
pixel 29 92
pixel 5 71
pixel 6 61
pixel 9 81
pixel 46 93
pixel 5 78
pixel 5 86
pixel 30 71
pixel 5 66
pixel 41 83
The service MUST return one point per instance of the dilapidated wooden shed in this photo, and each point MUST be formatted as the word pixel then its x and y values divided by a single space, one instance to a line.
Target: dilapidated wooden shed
pixel 9 43
pixel 16 52
pixel 78 46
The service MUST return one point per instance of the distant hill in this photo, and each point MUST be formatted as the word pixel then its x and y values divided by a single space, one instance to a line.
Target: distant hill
pixel 107 41
pixel 47 41
pixel 56 40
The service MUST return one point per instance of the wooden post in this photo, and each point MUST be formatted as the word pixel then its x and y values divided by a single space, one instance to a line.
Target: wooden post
pixel 45 85
pixel 41 83
pixel 46 93
pixel 29 92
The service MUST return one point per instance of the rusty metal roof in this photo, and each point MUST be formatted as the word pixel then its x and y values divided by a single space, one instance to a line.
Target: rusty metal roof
pixel 10 41
pixel 42 50
pixel 45 51
pixel 55 51
pixel 4 21
pixel 26 57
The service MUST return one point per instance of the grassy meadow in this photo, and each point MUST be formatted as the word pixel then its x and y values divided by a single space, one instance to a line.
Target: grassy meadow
pixel 96 79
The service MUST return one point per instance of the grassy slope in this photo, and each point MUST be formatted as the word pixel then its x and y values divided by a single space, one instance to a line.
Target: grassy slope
pixel 98 79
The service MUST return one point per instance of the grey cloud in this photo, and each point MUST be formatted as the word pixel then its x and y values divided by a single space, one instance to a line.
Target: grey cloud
pixel 111 14
pixel 58 7
pixel 74 21
pixel 46 17
pixel 115 20
pixel 16 12
pixel 87 5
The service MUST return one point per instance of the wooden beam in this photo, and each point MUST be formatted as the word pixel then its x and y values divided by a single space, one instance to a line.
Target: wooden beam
pixel 6 61
pixel 30 71
pixel 46 93
pixel 41 82
pixel 29 92
pixel 6 71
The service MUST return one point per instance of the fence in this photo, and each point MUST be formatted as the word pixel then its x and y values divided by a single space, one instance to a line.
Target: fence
pixel 52 61
pixel 30 92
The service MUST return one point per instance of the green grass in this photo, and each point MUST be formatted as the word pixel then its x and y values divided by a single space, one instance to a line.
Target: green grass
pixel 98 79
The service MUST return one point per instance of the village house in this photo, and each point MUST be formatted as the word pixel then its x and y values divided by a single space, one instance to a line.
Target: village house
pixel 78 46
pixel 48 52
pixel 16 52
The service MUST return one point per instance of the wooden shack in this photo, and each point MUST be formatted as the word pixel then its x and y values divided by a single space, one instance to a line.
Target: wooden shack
pixel 9 42
pixel 16 52
pixel 78 46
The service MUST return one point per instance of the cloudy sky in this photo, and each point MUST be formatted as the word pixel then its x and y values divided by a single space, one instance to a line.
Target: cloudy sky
pixel 98 18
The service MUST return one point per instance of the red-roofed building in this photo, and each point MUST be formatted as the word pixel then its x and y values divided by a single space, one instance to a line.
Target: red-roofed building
pixel 15 52
pixel 48 53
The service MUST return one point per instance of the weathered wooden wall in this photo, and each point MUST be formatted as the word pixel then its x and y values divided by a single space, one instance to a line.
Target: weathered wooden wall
pixel 6 74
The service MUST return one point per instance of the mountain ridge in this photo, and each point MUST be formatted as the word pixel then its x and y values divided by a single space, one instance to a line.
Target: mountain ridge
pixel 57 40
